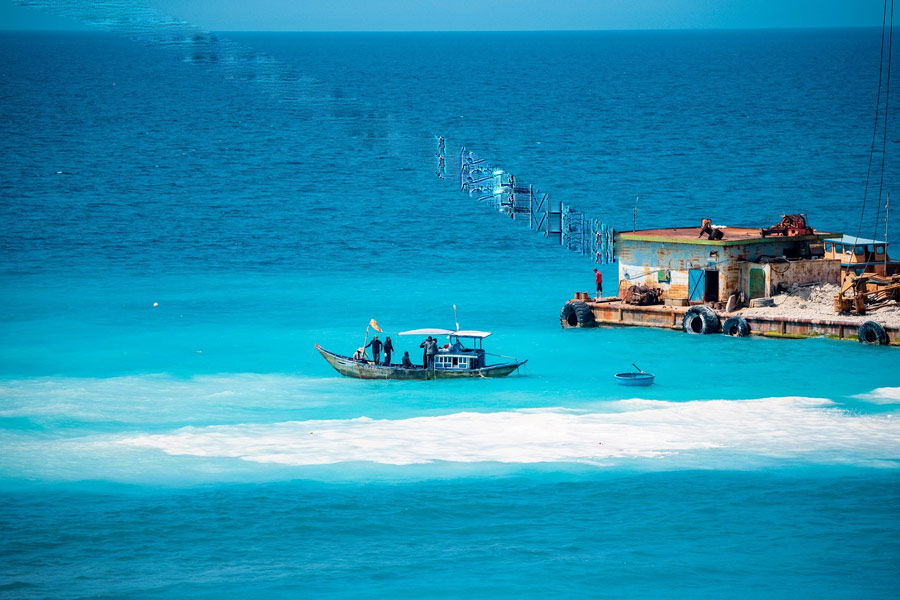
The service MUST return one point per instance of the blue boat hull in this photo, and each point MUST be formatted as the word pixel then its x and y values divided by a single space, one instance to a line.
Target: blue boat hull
pixel 636 379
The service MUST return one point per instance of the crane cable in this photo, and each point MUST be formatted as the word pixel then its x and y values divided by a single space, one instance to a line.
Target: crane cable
pixel 884 24
pixel 887 98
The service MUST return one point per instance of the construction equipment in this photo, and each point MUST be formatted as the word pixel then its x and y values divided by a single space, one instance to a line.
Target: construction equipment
pixel 642 295
pixel 790 226
pixel 867 292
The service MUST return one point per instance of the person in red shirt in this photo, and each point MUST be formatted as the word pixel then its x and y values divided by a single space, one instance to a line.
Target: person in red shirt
pixel 598 277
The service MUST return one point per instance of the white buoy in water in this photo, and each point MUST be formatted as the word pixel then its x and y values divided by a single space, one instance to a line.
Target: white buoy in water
pixel 156 304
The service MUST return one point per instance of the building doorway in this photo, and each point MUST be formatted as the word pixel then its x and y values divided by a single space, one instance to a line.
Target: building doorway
pixel 711 291
pixel 757 283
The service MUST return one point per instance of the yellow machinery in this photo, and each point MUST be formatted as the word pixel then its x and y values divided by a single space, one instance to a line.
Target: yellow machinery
pixel 868 291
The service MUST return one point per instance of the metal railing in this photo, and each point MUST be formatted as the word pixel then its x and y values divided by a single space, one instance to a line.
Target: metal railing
pixel 502 191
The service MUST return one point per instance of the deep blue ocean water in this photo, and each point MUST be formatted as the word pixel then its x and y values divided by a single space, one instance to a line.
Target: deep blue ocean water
pixel 200 447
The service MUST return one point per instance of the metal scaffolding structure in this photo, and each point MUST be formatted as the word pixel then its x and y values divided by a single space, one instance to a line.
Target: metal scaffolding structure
pixel 553 219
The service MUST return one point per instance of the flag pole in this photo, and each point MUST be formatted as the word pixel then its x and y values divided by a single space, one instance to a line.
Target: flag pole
pixel 365 342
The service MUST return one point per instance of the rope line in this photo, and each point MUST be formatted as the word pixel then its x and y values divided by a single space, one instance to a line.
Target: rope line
pixel 503 356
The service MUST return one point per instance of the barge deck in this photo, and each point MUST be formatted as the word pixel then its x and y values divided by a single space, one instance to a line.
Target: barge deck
pixel 615 312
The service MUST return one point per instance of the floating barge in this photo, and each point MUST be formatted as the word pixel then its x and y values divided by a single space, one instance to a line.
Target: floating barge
pixel 696 279
pixel 612 311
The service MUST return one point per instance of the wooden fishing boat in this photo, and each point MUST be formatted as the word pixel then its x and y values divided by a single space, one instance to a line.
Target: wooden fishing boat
pixel 454 360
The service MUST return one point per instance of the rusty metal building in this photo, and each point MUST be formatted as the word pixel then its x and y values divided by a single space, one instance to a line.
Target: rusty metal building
pixel 688 266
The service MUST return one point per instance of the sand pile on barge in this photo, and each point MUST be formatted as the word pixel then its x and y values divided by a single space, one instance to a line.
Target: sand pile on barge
pixel 817 302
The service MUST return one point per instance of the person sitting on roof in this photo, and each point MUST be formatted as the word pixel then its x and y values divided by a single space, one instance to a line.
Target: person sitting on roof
pixel 706 226
pixel 457 346
pixel 406 363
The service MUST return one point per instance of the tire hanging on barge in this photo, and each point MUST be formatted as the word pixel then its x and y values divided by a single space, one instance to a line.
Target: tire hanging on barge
pixel 872 333
pixel 700 320
pixel 576 314
pixel 736 327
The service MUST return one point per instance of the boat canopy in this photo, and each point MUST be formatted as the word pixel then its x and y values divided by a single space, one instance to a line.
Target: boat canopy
pixel 467 333
pixel 471 333
pixel 426 332
pixel 850 240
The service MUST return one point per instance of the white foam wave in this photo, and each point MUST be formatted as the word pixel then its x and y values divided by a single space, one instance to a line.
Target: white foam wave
pixel 160 397
pixel 884 395
pixel 789 428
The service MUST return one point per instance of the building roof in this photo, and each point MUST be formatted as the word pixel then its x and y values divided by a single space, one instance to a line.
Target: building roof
pixel 851 240
pixel 733 236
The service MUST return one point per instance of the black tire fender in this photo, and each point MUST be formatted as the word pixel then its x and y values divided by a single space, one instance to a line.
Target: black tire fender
pixel 701 320
pixel 576 314
pixel 872 333
pixel 736 326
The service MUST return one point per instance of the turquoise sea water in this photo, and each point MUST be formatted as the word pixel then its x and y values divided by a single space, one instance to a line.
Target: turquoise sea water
pixel 200 447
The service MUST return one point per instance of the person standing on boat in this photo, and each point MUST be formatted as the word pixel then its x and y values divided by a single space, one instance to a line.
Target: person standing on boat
pixel 598 278
pixel 430 346
pixel 388 348
pixel 376 348
pixel 432 350
pixel 425 352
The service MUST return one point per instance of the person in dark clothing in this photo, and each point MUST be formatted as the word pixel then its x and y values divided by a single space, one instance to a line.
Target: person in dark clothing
pixel 376 348
pixel 432 350
pixel 406 363
pixel 425 345
pixel 430 346
pixel 706 226
pixel 388 348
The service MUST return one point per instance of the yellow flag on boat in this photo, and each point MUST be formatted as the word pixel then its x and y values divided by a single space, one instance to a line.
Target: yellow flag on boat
pixel 374 325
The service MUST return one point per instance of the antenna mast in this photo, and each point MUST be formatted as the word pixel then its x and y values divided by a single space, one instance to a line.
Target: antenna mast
pixel 634 215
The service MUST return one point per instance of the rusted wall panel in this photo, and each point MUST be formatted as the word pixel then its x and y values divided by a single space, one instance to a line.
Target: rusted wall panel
pixel 641 261
pixel 785 274
pixel 805 271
